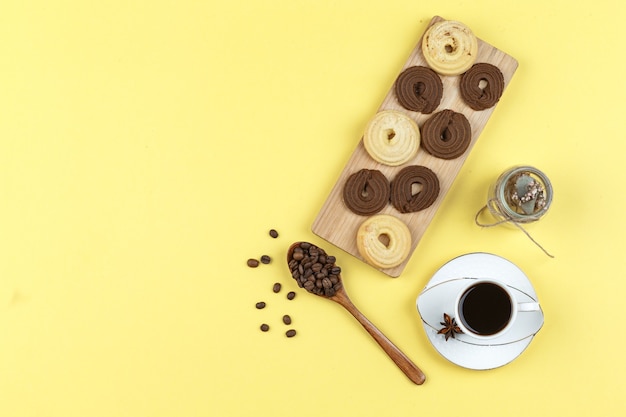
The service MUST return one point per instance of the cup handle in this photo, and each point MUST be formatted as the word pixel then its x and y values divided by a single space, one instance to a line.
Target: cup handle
pixel 528 307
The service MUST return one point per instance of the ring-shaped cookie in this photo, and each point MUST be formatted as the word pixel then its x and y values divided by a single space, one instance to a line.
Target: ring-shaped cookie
pixel 414 188
pixel 384 241
pixel 391 138
pixel 482 86
pixel 419 89
pixel 446 134
pixel 366 192
pixel 449 47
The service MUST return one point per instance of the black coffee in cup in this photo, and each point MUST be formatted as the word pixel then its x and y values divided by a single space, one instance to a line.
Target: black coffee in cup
pixel 485 308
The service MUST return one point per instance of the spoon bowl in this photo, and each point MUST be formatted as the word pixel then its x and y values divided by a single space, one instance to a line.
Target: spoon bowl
pixel 316 271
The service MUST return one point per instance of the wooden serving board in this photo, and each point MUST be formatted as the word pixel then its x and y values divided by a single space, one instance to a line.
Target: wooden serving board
pixel 338 225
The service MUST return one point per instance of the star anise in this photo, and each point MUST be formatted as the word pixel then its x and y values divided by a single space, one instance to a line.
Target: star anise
pixel 450 327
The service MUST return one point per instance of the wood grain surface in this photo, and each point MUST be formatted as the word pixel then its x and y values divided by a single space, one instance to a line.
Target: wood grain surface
pixel 338 225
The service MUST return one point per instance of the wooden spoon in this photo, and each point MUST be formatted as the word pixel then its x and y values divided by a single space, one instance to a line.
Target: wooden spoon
pixel 338 294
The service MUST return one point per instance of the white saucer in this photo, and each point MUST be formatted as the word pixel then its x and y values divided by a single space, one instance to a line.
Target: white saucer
pixel 439 295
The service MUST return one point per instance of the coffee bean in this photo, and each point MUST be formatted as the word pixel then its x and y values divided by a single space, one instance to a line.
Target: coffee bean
pixel 266 259
pixel 253 263
pixel 264 327
pixel 260 305
pixel 290 333
pixel 273 233
pixel 298 255
pixel 286 319
pixel 291 295
pixel 276 287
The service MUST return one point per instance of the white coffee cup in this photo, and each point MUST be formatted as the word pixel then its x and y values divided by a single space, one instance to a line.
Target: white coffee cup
pixel 487 308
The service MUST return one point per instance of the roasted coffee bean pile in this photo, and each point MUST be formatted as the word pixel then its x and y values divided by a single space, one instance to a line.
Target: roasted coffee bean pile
pixel 314 270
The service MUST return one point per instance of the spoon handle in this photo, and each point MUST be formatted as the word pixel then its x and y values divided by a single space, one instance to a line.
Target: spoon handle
pixel 404 363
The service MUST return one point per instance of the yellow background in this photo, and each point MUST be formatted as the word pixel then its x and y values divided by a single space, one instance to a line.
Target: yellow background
pixel 146 148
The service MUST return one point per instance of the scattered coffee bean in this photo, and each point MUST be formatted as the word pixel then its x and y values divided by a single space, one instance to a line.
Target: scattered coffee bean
pixel 314 270
pixel 311 264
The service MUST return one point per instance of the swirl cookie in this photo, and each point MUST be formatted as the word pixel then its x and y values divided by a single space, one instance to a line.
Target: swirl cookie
pixel 366 192
pixel 403 196
pixel 446 134
pixel 419 89
pixel 449 47
pixel 384 241
pixel 482 86
pixel 391 138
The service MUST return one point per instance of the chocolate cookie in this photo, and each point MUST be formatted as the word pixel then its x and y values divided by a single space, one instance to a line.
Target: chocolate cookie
pixel 446 134
pixel 482 86
pixel 403 197
pixel 419 89
pixel 366 192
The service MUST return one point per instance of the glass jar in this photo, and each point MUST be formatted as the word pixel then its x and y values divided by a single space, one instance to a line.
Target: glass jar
pixel 521 194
